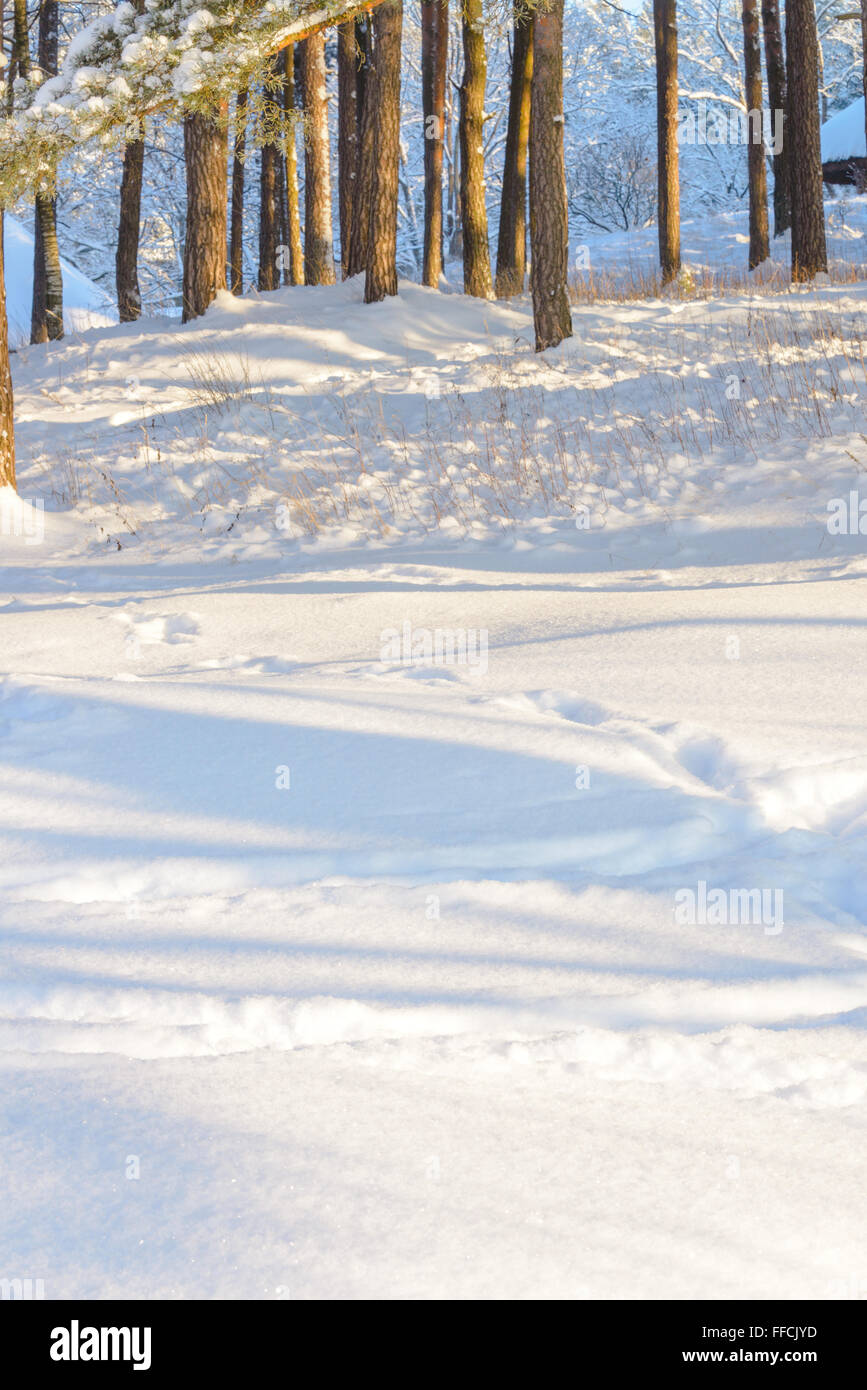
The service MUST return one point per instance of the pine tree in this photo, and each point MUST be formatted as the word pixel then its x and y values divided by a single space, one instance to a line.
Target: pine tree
pixel 293 266
pixel 47 311
pixel 347 134
pixel 360 229
pixel 318 238
pixel 270 195
pixel 512 239
pixel 665 38
pixel 474 213
pixel 549 223
pixel 7 426
pixel 381 269
pixel 128 232
pixel 758 181
pixel 809 256
pixel 776 66
pixel 206 162
pixel 434 57
pixel 236 216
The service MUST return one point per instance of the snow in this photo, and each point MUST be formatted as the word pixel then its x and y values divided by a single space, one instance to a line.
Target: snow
pixel 368 966
pixel 843 135
pixel 84 304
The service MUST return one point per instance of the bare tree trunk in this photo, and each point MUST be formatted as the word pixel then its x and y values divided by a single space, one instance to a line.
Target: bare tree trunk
pixel 665 36
pixel 295 266
pixel 46 320
pixel 128 231
pixel 809 256
pixel 776 65
pixel 347 134
pixel 434 57
pixel 206 155
pixel 381 277
pixel 7 426
pixel 549 223
pixel 270 198
pixel 360 229
pixel 474 213
pixel 758 179
pixel 236 236
pixel 512 240
pixel 318 237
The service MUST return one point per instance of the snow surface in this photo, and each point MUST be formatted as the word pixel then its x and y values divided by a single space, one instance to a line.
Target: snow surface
pixel 843 136
pixel 424 1021
pixel 84 304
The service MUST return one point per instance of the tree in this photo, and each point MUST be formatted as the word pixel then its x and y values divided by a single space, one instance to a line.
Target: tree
pixel 318 238
pixel 360 228
pixel 126 256
pixel 7 427
pixel 236 235
pixel 776 66
pixel 381 269
pixel 474 213
pixel 293 264
pixel 434 59
pixel 206 160
pixel 47 312
pixel 347 134
pixel 809 256
pixel 668 213
pixel 270 191
pixel 758 181
pixel 549 223
pixel 512 239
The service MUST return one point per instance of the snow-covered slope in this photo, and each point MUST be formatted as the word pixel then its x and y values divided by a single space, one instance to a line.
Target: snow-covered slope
pixel 332 969
pixel 843 134
pixel 84 304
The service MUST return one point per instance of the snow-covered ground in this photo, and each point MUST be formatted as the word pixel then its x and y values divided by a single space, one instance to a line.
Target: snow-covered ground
pixel 328 971
pixel 84 304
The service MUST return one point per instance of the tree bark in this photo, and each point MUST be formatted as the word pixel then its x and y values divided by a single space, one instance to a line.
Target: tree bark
pixel 665 38
pixel 434 58
pixel 360 229
pixel 318 237
pixel 381 269
pixel 758 180
pixel 512 239
pixel 7 427
pixel 46 320
pixel 270 199
pixel 549 224
pixel 474 213
pixel 128 232
pixel 293 271
pixel 206 157
pixel 775 63
pixel 809 256
pixel 347 134
pixel 236 236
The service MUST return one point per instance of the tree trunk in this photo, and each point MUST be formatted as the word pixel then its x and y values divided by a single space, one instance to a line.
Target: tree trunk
pixel 360 229
pixel 758 180
pixel 381 277
pixel 347 134
pixel 126 257
pixel 809 257
pixel 236 238
pixel 864 61
pixel 474 213
pixel 434 57
pixel 271 197
pixel 7 428
pixel 46 320
pixel 206 155
pixel 294 270
pixel 318 237
pixel 549 224
pixel 776 65
pixel 512 240
pixel 665 37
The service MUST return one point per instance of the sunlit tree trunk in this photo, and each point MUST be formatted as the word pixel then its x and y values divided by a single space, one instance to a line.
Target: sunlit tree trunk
pixel 758 179
pixel 775 63
pixel 294 262
pixel 381 276
pixel 270 195
pixel 7 427
pixel 809 256
pixel 474 214
pixel 206 159
pixel 512 239
pixel 549 224
pixel 347 134
pixel 434 56
pixel 318 237
pixel 360 228
pixel 665 38
pixel 236 218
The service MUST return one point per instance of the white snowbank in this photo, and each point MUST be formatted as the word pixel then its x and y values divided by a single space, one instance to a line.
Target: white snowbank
pixel 84 304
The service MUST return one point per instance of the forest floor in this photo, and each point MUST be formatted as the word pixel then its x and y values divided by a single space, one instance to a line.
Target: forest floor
pixel 337 963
